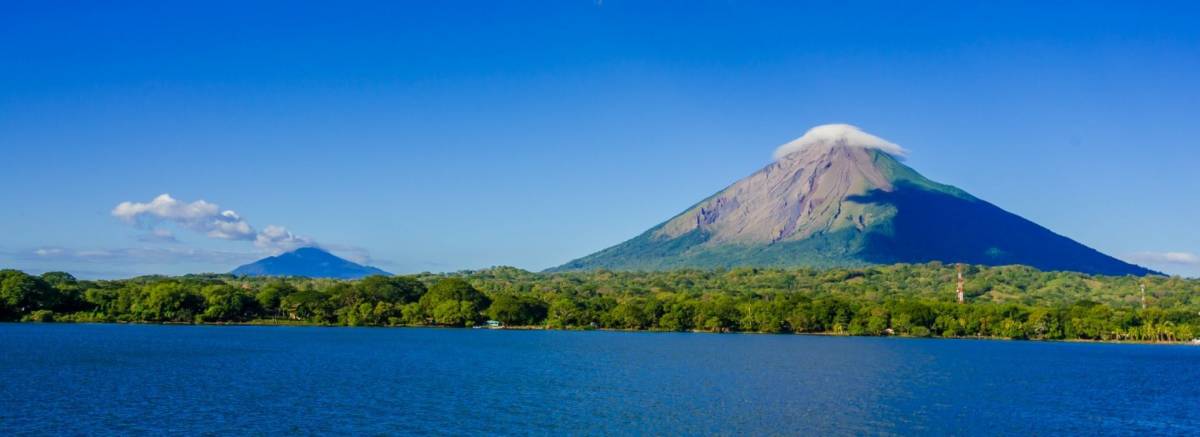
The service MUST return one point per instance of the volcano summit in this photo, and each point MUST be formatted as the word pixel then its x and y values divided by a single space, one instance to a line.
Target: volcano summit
pixel 838 196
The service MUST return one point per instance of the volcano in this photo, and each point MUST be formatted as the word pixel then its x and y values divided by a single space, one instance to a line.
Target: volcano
pixel 310 262
pixel 840 197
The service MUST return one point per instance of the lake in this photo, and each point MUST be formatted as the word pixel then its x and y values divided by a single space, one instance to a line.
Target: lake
pixel 149 379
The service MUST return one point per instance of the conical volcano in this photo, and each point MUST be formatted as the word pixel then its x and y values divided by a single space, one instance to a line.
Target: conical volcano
pixel 309 262
pixel 840 197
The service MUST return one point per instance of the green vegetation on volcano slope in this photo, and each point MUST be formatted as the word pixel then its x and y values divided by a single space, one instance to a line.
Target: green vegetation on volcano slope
pixel 1002 302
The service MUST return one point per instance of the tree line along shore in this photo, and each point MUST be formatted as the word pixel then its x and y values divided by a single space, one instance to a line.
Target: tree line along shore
pixel 1011 302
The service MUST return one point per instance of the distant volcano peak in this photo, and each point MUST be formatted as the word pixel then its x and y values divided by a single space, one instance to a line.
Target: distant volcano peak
pixel 311 262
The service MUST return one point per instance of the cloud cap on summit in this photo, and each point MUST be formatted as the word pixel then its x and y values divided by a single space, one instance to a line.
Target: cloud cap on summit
pixel 839 134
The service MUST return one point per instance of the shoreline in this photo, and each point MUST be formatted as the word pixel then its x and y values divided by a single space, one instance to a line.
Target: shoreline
pixel 288 323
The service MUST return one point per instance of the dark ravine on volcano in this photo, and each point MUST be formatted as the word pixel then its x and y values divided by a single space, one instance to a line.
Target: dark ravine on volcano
pixel 837 200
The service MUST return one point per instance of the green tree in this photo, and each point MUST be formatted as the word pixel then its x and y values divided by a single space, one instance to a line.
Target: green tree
pixel 228 303
pixel 677 316
pixel 169 302
pixel 877 320
pixel 717 314
pixel 514 310
pixel 632 314
pixel 270 297
pixel 1044 324
pixel 467 303
pixel 67 291
pixel 763 316
pixel 456 313
pixel 565 312
pixel 308 305
pixel 21 293
pixel 394 289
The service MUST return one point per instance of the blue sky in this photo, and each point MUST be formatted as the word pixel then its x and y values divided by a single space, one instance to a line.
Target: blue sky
pixel 453 135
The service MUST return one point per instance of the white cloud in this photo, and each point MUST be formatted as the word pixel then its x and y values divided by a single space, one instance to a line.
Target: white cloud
pixel 279 239
pixel 199 216
pixel 205 218
pixel 48 251
pixel 1160 258
pixel 829 135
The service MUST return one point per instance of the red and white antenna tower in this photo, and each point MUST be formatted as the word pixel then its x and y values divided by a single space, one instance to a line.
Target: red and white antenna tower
pixel 960 283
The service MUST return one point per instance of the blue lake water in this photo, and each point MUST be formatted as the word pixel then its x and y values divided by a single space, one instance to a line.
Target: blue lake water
pixel 146 379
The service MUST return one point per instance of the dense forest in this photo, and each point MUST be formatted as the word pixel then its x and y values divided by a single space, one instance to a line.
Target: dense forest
pixel 912 300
